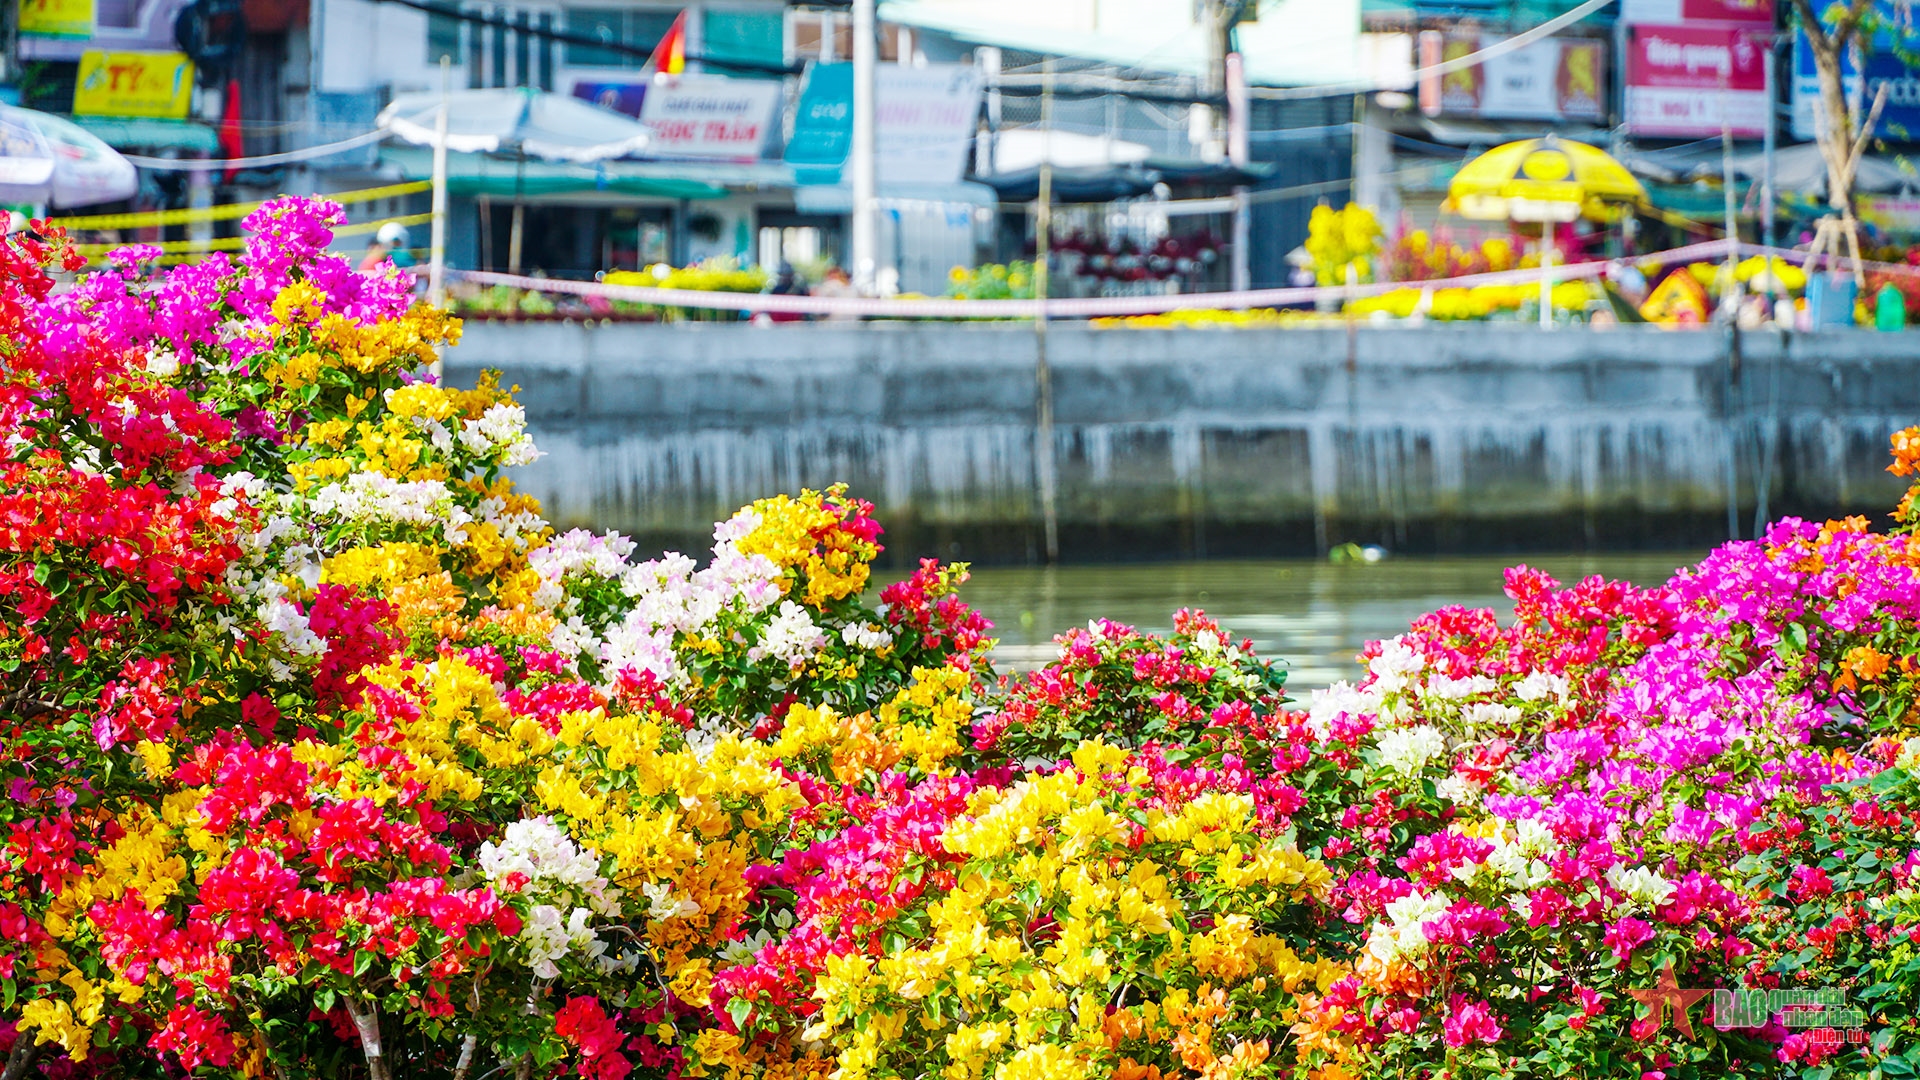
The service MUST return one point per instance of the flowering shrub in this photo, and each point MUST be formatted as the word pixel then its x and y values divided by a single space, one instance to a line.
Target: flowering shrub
pixel 1343 244
pixel 325 755
pixel 1478 302
pixel 323 751
pixel 1417 255
pixel 993 281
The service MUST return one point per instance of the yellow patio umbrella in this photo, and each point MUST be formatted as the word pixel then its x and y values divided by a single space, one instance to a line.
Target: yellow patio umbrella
pixel 1547 180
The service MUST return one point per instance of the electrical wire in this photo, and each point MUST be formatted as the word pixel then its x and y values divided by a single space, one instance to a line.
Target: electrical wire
pixel 287 158
pixel 1448 67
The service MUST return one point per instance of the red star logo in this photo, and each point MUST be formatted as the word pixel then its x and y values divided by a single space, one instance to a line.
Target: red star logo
pixel 1668 993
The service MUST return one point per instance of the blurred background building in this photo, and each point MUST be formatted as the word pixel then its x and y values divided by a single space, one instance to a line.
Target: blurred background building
pixel 1170 164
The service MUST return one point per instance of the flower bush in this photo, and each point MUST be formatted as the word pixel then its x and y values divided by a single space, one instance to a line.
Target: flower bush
pixel 993 281
pixel 1343 244
pixel 1417 255
pixel 327 756
pixel 1478 302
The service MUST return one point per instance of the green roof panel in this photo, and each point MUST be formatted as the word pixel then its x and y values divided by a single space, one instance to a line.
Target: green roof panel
pixel 146 133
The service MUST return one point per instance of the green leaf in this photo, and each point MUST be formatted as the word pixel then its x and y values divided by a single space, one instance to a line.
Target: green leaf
pixel 1876 990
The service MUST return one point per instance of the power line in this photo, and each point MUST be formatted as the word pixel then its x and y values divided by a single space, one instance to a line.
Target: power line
pixel 286 158
pixel 564 37
pixel 1448 67
pixel 1175 89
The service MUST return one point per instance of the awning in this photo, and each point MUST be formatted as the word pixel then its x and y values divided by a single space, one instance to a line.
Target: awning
pixel 1668 165
pixel 146 133
pixel 1487 133
pixel 838 198
pixel 1105 183
pixel 504 177
pixel 1017 149
pixel 1802 169
pixel 1699 202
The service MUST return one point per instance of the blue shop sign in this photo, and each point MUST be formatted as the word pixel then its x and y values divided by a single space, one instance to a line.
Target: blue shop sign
pixel 823 125
pixel 1900 120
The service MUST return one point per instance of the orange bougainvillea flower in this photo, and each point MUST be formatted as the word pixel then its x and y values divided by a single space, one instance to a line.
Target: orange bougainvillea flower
pixel 1906 452
pixel 1866 663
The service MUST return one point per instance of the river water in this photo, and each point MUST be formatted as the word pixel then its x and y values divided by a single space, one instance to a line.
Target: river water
pixel 1314 615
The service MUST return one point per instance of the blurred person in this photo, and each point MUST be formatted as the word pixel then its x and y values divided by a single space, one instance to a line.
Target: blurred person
pixel 1630 281
pixel 1301 276
pixel 376 256
pixel 786 282
pixel 837 284
pixel 394 237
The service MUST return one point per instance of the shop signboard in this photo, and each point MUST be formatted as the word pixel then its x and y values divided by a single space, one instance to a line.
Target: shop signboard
pixel 1900 118
pixel 1898 214
pixel 57 18
pixel 695 117
pixel 156 84
pixel 620 97
pixel 710 116
pixel 924 121
pixel 1550 79
pixel 1694 81
pixel 1676 12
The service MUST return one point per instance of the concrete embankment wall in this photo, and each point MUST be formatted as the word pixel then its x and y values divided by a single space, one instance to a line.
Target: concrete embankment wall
pixel 1210 443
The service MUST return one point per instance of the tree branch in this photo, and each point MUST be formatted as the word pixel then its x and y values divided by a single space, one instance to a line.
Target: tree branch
pixel 1844 27
pixel 26 1051
pixel 1810 23
pixel 366 1018
pixel 472 1040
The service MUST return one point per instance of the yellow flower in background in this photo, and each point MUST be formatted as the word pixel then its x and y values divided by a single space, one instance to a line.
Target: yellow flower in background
pixel 925 720
pixel 52 1021
pixel 298 371
pixel 319 471
pixel 1343 242
pixel 380 568
pixel 300 302
pixel 423 400
pixel 1044 1061
pixel 155 758
pixel 328 433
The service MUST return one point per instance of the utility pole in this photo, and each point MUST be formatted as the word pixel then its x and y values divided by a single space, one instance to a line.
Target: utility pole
pixel 865 181
pixel 1224 71
pixel 1767 150
pixel 1044 464
pixel 1237 154
pixel 437 247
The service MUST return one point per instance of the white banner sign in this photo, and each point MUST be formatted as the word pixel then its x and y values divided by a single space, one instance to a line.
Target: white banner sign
pixel 925 119
pixel 694 116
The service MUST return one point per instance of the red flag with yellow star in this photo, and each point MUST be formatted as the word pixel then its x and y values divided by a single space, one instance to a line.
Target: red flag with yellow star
pixel 670 56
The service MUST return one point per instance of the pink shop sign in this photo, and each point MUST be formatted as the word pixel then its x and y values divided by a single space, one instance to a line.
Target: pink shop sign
pixel 1692 81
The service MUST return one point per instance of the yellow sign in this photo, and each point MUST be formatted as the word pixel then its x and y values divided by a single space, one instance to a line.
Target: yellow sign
pixel 1677 301
pixel 1546 166
pixel 133 84
pixel 57 18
